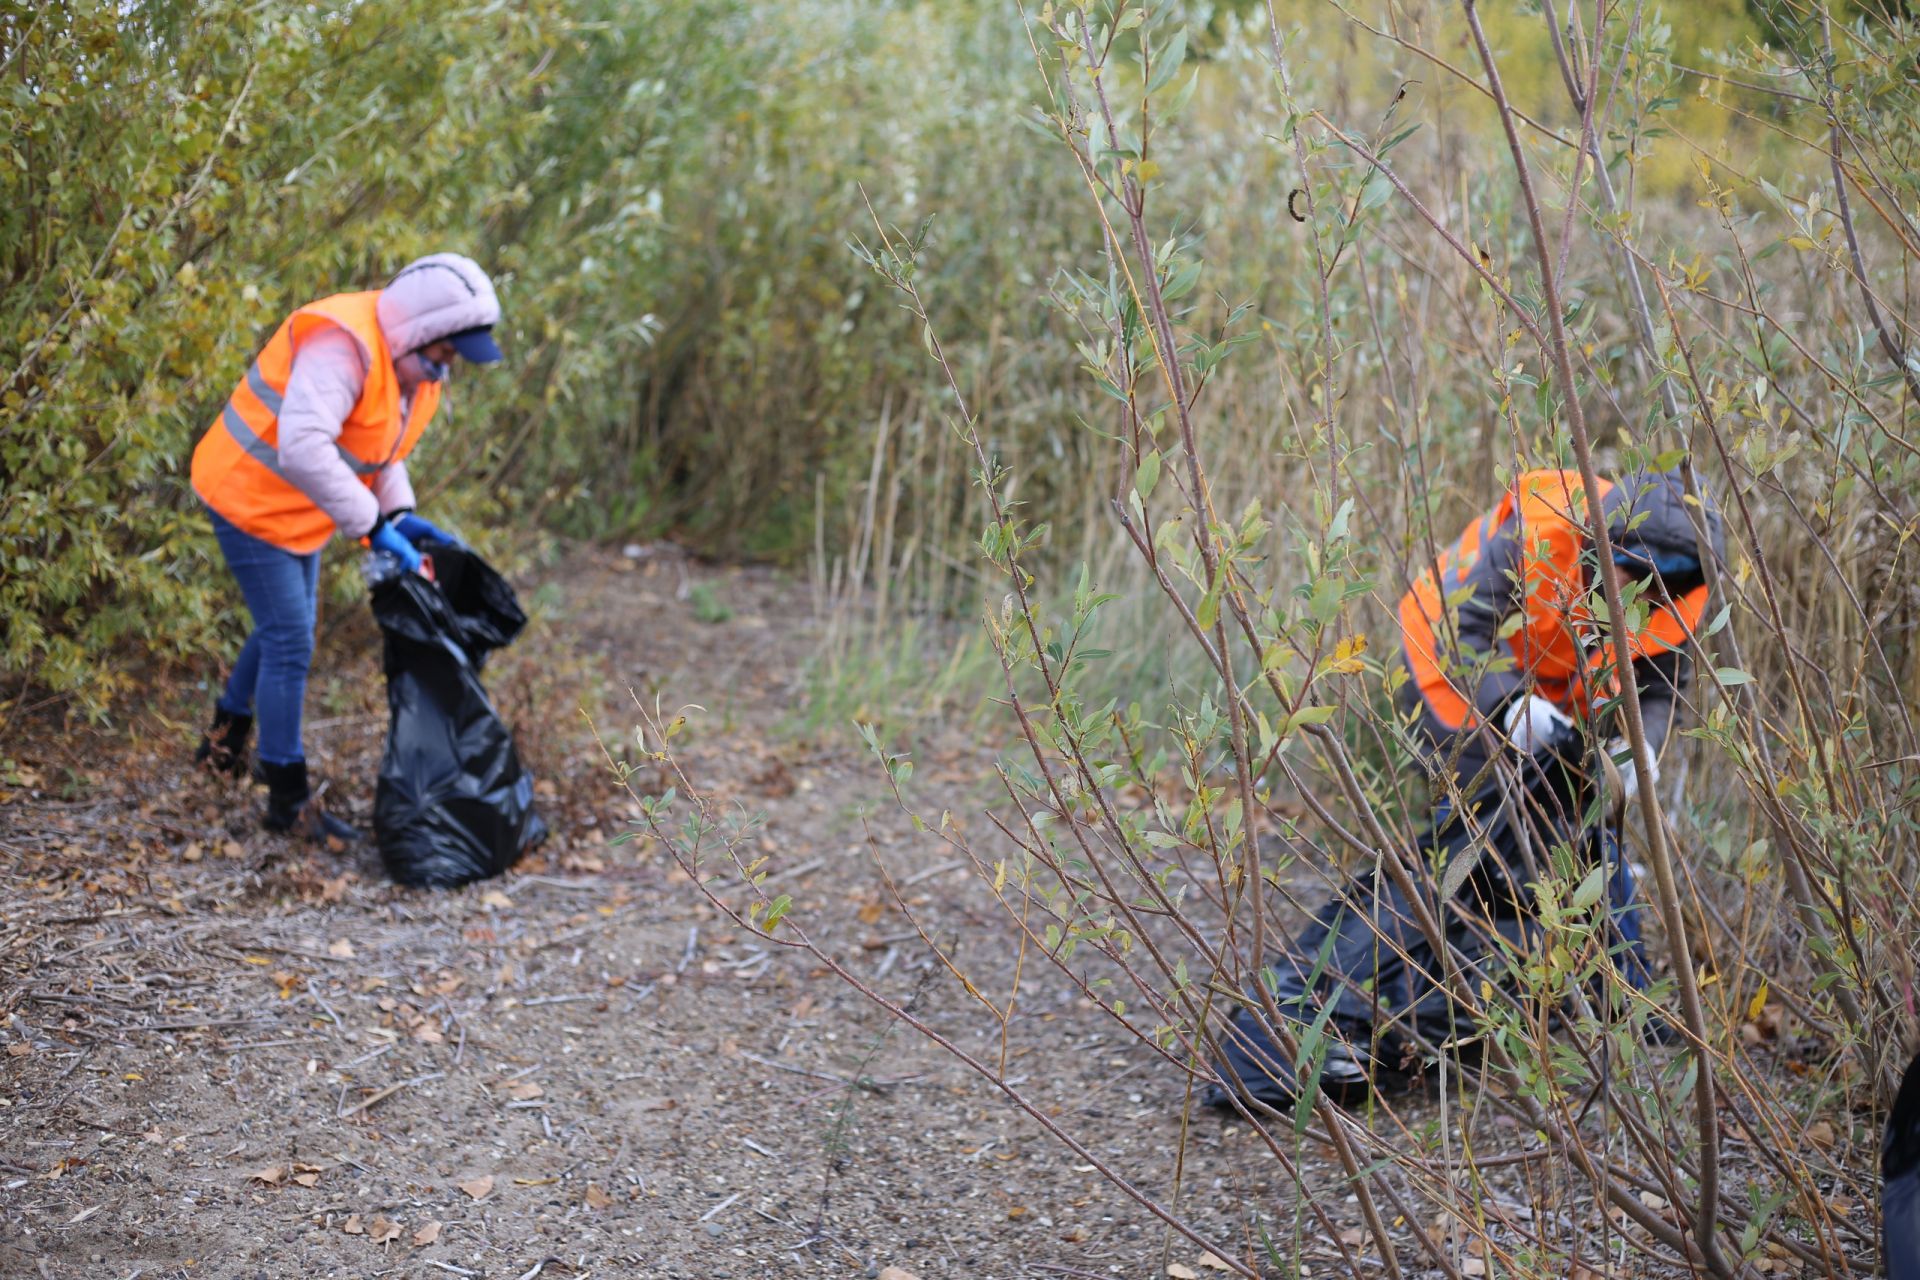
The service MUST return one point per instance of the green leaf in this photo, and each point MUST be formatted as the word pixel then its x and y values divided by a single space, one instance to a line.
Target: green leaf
pixel 1589 890
pixel 1147 475
pixel 1209 611
pixel 1306 716
pixel 1167 62
pixel 1181 282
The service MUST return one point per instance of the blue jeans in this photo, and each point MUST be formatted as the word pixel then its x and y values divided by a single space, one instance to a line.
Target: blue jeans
pixel 269 678
pixel 1625 903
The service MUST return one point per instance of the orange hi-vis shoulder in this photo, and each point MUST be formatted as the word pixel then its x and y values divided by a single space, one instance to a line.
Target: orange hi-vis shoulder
pixel 236 466
pixel 1554 645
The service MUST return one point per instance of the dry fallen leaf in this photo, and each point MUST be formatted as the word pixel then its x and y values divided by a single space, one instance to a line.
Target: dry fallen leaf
pixel 1212 1263
pixel 479 1188
pixel 1473 1267
pixel 306 1179
pixel 341 949
pixel 1820 1133
pixel 525 1090
pixel 273 1175
pixel 495 898
pixel 352 1225
pixel 654 1104
pixel 427 1234
pixel 384 1230
pixel 233 849
pixel 596 1198
pixel 897 1273
pixel 1657 1203
pixel 1181 1271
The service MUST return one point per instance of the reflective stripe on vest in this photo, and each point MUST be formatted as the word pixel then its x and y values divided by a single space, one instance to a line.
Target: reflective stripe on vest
pixel 262 452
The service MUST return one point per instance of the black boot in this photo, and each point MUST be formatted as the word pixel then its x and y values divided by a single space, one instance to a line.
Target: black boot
pixel 1344 1078
pixel 224 748
pixel 292 807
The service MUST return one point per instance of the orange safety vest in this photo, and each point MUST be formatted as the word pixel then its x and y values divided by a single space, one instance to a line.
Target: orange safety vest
pixel 1553 642
pixel 236 466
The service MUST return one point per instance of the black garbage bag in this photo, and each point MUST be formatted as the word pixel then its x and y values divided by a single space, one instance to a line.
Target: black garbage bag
pixel 454 804
pixel 1364 972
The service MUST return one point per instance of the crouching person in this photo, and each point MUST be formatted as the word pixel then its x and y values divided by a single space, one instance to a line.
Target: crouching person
pixel 1511 691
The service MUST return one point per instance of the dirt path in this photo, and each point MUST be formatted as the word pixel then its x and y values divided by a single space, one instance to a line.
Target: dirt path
pixel 228 1058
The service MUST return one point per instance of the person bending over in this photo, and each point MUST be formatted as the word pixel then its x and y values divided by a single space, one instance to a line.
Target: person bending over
pixel 1509 687
pixel 315 438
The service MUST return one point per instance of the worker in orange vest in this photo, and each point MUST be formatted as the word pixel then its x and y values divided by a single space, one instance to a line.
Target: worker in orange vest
pixel 1499 640
pixel 1504 661
pixel 315 438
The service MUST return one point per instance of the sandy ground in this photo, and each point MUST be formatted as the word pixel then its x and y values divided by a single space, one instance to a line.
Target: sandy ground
pixel 228 1056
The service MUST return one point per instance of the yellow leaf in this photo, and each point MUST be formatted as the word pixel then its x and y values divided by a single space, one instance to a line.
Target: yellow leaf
pixel 1346 656
pixel 1759 1001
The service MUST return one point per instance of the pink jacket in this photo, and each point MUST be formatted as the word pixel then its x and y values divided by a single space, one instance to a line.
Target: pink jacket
pixel 434 296
pixel 328 374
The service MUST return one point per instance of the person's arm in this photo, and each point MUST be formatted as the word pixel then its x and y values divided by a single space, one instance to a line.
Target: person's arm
pixel 325 383
pixel 393 488
pixel 1477 659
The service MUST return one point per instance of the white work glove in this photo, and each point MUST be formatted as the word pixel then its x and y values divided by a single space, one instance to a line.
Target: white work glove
pixel 1533 723
pixel 1622 757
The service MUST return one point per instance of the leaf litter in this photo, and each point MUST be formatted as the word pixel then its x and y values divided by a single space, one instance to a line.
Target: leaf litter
pixel 176 1011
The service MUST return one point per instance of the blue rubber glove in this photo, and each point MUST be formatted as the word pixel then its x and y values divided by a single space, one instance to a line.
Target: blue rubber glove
pixel 416 530
pixel 385 537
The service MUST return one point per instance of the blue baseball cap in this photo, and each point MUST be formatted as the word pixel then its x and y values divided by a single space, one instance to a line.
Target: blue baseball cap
pixel 476 345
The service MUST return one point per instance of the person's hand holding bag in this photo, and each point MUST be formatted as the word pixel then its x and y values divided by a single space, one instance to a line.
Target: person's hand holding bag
pixel 385 536
pixel 417 530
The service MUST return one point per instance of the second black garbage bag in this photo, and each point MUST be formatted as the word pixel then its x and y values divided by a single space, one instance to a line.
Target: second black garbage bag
pixel 454 803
